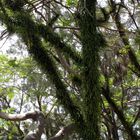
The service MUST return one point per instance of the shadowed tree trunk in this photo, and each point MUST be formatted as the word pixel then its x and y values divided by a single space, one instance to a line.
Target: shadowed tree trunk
pixel 91 88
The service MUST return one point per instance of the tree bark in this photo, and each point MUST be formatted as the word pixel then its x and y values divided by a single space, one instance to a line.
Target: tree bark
pixel 90 50
pixel 36 116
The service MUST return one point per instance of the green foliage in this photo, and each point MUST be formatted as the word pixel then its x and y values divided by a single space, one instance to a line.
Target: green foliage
pixel 71 2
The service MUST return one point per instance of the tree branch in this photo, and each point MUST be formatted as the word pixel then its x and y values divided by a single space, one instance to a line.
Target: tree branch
pixel 127 126
pixel 49 36
pixel 36 116
pixel 19 117
pixel 65 131
pixel 123 36
pixel 64 63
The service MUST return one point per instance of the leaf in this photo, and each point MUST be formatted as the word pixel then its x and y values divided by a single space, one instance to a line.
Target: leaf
pixel 71 2
pixel 10 93
pixel 13 63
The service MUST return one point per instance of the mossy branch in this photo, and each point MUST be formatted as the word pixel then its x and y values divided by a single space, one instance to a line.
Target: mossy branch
pixel 123 36
pixel 47 33
pixel 46 63
pixel 28 31
pixel 22 19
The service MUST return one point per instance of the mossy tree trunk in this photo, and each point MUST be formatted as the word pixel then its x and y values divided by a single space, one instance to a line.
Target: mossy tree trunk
pixel 91 87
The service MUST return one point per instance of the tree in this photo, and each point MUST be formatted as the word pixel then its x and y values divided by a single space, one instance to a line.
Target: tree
pixel 71 48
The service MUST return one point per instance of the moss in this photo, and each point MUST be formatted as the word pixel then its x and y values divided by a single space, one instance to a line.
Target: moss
pixel 90 51
pixel 47 33
pixel 41 56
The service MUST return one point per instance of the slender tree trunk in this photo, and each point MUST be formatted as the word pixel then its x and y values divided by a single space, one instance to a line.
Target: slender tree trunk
pixel 91 88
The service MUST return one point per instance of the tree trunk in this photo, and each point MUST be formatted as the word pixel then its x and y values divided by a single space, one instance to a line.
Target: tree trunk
pixel 90 49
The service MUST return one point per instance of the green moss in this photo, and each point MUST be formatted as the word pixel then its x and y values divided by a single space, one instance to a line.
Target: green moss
pixel 91 86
